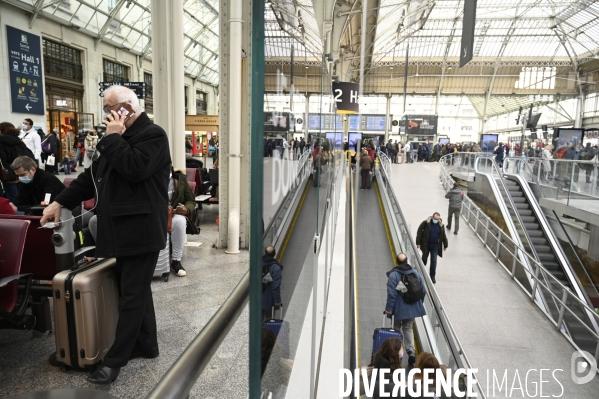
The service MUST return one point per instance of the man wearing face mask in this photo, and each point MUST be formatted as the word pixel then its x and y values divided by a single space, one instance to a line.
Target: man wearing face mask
pixel 130 185
pixel 35 185
pixel 431 239
pixel 31 138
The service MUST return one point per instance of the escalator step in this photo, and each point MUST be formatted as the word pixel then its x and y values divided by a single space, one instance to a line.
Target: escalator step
pixel 528 219
pixel 516 194
pixel 542 249
pixel 525 212
pixel 510 183
pixel 535 233
pixel 532 226
pixel 560 276
pixel 538 241
pixel 546 257
pixel 519 200
pixel 551 266
pixel 522 206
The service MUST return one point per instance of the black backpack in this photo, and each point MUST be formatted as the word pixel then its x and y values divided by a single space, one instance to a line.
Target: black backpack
pixel 412 283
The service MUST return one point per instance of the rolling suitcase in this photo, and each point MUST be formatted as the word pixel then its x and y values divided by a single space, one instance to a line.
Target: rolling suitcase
pixel 163 265
pixel 281 330
pixel 383 333
pixel 86 311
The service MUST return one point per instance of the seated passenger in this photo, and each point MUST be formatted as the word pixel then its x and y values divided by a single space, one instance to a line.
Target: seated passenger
pixel 183 202
pixel 36 187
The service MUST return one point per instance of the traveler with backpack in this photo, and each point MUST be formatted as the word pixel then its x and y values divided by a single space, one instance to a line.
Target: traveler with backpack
pixel 456 197
pixel 405 293
pixel 431 239
pixel 271 282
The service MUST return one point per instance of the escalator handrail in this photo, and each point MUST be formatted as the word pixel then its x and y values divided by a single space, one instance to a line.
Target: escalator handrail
pixel 569 241
pixel 509 196
pixel 538 264
pixel 456 347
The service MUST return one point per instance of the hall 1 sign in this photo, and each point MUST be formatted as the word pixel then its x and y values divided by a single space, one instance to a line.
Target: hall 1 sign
pixel 25 66
pixel 346 96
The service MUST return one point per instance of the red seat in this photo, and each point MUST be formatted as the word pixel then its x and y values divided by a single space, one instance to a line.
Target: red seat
pixel 190 173
pixel 12 242
pixel 89 204
pixel 67 181
pixel 39 256
pixel 192 185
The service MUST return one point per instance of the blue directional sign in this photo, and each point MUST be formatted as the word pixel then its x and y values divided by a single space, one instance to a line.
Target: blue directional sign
pixel 25 66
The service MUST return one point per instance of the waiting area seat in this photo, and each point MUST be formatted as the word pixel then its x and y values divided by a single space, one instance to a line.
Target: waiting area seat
pixel 12 243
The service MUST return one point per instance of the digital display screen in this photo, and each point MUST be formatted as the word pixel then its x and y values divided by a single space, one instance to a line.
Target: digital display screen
pixel 376 122
pixel 567 137
pixel 353 139
pixel 444 140
pixel 336 139
pixel 489 142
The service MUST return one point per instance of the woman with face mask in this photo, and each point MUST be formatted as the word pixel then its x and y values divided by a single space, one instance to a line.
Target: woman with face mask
pixel 431 239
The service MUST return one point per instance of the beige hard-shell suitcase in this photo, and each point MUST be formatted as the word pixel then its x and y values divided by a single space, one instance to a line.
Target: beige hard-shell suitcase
pixel 86 300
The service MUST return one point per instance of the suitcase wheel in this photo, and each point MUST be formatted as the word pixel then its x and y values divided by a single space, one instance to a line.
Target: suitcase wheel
pixel 165 276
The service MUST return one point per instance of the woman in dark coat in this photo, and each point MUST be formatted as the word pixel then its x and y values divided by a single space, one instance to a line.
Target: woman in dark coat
pixel 55 146
pixel 11 147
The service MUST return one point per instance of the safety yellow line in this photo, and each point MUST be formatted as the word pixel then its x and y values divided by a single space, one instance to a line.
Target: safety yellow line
pixel 291 227
pixel 355 256
pixel 386 223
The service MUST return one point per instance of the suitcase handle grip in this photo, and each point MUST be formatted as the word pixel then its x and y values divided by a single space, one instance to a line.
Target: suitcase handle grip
pixel 84 261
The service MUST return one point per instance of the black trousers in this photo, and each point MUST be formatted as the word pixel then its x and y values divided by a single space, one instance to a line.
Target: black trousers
pixel 136 328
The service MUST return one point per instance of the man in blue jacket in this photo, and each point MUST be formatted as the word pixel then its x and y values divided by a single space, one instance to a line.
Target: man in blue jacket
pixel 271 281
pixel 404 312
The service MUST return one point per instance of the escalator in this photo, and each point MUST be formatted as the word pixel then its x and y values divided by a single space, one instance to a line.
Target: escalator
pixel 546 248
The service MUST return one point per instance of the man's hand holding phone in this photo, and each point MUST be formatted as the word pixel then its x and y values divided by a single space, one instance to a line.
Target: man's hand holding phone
pixel 115 121
pixel 181 209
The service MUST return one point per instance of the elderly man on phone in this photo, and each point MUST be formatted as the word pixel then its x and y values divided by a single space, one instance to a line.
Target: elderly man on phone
pixel 130 185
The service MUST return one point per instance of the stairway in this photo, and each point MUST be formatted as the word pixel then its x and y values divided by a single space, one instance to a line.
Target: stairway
pixel 547 257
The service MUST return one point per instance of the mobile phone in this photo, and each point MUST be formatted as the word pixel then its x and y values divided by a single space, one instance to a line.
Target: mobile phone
pixel 125 109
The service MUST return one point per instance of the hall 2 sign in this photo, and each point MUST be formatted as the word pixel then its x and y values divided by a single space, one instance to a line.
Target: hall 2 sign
pixel 346 97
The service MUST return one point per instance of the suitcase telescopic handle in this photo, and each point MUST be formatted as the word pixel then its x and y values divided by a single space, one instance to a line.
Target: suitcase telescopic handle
pixel 392 320
pixel 273 312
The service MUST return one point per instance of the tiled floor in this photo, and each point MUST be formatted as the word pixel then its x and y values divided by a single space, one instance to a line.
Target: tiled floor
pixel 183 306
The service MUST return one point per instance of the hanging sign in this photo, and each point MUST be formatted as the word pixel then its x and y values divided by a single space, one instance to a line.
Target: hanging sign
pixel 467 48
pixel 345 96
pixel 25 66
pixel 138 87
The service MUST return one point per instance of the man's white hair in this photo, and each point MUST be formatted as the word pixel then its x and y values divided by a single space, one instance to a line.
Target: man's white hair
pixel 124 95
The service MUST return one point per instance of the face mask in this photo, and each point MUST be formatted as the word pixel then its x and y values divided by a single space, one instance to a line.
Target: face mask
pixel 25 127
pixel 435 221
pixel 25 179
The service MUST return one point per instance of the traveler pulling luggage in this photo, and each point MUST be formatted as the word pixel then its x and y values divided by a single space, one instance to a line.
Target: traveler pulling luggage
pixel 86 300
pixel 383 333
pixel 281 330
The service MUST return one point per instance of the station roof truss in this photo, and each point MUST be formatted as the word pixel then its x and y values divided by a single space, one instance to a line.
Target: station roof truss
pixel 127 24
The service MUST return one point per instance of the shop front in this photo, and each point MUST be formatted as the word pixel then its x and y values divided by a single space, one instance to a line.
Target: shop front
pixel 200 129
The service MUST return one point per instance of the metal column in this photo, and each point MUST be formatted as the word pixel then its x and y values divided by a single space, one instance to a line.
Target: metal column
pixel 388 122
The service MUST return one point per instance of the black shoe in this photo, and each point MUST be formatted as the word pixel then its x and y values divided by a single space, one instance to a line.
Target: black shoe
pixel 412 359
pixel 448 227
pixel 178 269
pixel 433 279
pixel 151 354
pixel 104 375
pixel 455 232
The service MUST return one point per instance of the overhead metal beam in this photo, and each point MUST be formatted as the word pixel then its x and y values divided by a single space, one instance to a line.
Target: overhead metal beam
pixel 111 17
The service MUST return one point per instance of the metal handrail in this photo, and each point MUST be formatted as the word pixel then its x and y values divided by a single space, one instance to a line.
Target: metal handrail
pixel 487 223
pixel 509 196
pixel 452 339
pixel 385 162
pixel 569 241
pixel 183 374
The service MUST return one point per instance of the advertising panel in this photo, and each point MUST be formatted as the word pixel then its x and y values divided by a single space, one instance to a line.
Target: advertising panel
pixel 489 142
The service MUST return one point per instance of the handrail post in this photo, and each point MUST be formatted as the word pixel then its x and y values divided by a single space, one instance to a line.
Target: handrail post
pixel 486 233
pixel 536 282
pixel 562 310
pixel 514 264
pixel 498 244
